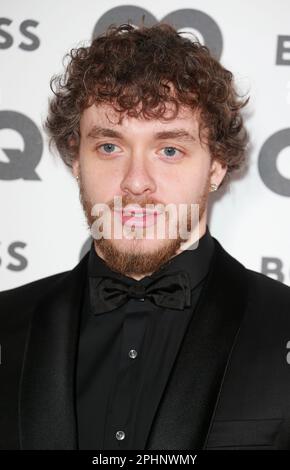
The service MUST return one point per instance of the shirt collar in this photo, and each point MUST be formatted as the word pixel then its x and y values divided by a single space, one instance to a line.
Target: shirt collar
pixel 195 262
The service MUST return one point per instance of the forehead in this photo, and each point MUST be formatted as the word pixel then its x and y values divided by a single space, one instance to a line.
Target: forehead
pixel 104 114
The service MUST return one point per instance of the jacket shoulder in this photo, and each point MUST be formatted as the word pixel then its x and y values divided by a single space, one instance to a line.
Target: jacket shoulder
pixel 268 288
pixel 33 287
pixel 266 297
pixel 18 303
pixel 268 308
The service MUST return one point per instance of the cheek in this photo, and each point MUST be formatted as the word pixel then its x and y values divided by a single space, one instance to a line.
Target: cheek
pixel 185 187
pixel 196 177
pixel 99 185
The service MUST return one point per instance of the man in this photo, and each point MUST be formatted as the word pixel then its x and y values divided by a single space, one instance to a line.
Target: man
pixel 149 342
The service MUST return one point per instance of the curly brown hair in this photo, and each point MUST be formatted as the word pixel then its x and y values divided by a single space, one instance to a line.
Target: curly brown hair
pixel 127 67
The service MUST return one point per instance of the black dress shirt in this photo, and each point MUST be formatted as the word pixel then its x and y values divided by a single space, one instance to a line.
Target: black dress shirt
pixel 125 356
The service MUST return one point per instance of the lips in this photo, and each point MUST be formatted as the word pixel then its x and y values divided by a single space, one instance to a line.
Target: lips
pixel 139 218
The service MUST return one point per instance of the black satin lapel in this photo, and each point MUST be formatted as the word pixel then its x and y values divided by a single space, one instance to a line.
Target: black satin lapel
pixel 185 411
pixel 47 418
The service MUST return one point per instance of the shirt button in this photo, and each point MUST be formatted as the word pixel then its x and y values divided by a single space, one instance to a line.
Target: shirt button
pixel 120 435
pixel 132 353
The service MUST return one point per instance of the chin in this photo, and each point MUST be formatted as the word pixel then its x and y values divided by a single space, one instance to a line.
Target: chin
pixel 138 245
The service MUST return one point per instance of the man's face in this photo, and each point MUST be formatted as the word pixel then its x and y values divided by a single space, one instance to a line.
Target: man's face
pixel 144 162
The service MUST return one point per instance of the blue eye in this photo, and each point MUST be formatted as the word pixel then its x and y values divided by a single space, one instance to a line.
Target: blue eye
pixel 171 150
pixel 109 147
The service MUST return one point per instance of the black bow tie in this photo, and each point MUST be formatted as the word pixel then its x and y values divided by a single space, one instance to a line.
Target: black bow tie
pixel 167 290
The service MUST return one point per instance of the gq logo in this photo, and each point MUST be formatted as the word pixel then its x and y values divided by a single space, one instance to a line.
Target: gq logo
pixel 21 163
pixel 267 162
pixel 185 18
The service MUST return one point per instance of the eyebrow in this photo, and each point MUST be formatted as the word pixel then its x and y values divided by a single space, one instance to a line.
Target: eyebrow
pixel 180 134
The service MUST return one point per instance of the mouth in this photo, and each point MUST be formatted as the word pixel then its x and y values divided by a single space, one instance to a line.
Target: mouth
pixel 139 218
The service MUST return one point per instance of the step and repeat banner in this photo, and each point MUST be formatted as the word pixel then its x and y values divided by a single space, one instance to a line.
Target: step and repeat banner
pixel 43 229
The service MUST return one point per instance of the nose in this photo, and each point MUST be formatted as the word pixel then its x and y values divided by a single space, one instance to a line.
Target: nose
pixel 138 179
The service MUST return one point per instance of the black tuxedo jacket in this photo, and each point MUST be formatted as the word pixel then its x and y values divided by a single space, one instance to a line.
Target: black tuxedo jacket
pixel 230 383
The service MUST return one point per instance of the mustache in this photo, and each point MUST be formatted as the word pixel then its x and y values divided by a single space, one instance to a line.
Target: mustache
pixel 126 201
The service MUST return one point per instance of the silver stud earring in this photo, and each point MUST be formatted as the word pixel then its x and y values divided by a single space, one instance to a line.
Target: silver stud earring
pixel 77 178
pixel 213 187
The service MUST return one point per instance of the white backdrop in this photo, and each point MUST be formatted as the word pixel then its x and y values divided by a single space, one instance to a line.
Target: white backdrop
pixel 43 229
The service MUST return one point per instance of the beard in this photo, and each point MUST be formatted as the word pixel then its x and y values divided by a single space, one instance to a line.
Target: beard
pixel 132 260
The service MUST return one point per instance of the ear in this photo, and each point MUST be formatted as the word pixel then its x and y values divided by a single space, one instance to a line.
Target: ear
pixel 217 172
